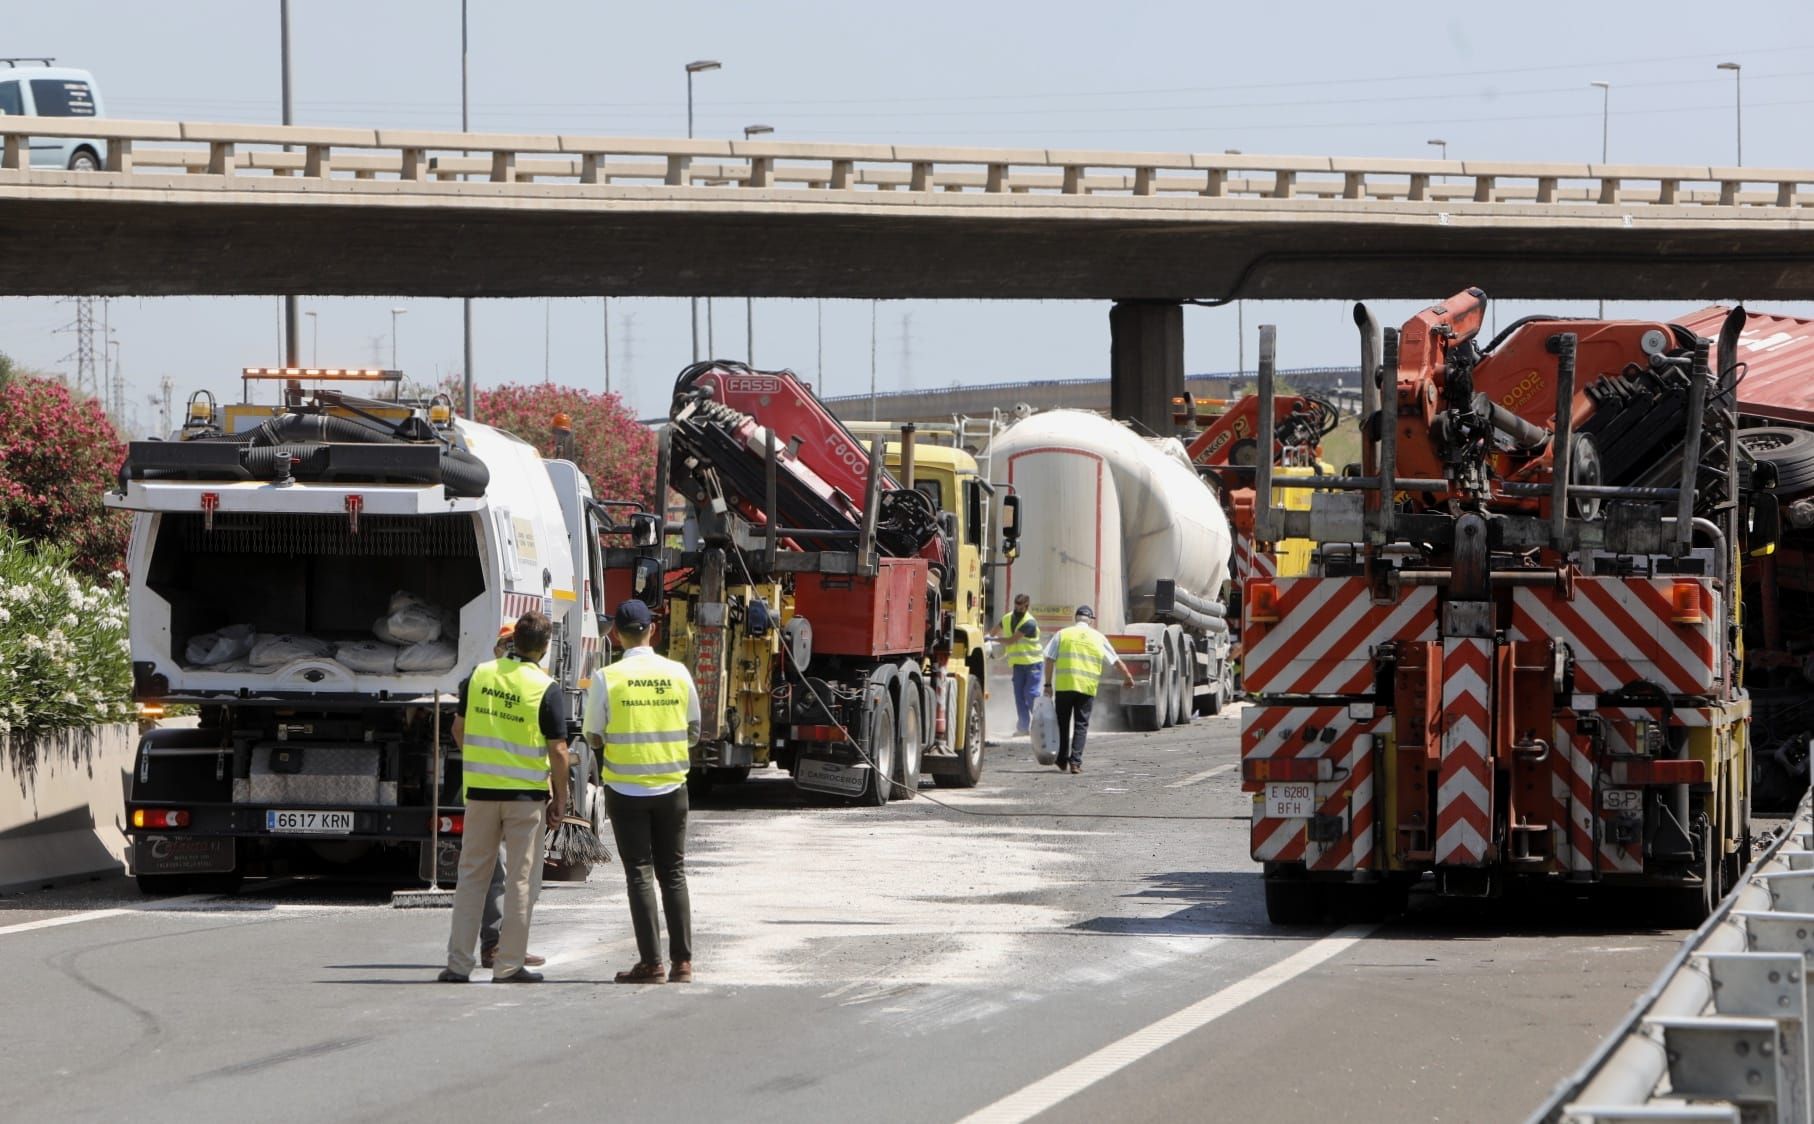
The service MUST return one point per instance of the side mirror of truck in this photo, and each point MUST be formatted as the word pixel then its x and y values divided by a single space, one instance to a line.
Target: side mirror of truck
pixel 646 582
pixel 645 529
pixel 1010 527
pixel 1766 527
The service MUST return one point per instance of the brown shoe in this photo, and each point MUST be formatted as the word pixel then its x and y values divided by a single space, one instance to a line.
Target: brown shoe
pixel 644 974
pixel 682 972
pixel 1076 768
pixel 488 956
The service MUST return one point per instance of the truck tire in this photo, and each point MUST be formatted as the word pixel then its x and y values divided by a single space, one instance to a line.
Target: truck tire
pixel 1162 689
pixel 1294 901
pixel 970 768
pixel 880 747
pixel 1688 906
pixel 912 741
pixel 162 885
pixel 1184 702
pixel 1142 718
pixel 1790 450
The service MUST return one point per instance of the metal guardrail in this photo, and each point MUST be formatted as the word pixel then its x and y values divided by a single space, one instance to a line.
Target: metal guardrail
pixel 1723 1033
pixel 257 152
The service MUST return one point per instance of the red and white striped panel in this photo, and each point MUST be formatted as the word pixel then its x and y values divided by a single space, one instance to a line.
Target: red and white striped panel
pixel 1327 628
pixel 1276 732
pixel 516 604
pixel 1620 631
pixel 1572 786
pixel 1464 774
pixel 1251 562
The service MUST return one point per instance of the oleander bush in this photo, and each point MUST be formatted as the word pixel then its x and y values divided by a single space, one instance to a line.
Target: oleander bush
pixel 64 656
pixel 613 448
pixel 58 454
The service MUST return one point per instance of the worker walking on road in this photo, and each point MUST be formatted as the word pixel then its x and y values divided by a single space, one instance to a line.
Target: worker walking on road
pixel 642 714
pixel 512 734
pixel 1019 634
pixel 491 922
pixel 1074 659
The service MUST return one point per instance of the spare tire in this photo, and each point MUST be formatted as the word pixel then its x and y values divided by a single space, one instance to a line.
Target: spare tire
pixel 1790 451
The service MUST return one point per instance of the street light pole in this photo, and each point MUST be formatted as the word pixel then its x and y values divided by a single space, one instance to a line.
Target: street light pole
pixel 395 312
pixel 1738 110
pixel 749 303
pixel 466 393
pixel 698 66
pixel 314 339
pixel 292 322
pixel 1605 89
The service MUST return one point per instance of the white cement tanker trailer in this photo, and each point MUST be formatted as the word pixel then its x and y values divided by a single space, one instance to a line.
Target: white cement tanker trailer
pixel 1123 524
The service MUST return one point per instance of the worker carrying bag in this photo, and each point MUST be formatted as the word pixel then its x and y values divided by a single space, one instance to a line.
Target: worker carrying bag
pixel 1044 726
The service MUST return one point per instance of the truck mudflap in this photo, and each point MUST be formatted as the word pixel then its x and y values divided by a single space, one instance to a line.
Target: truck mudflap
pixel 1311 772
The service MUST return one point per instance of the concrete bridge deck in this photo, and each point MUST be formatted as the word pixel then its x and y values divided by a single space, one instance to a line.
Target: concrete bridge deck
pixel 196 208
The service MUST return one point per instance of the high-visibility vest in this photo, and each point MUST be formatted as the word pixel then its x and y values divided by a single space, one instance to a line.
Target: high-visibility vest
pixel 1079 664
pixel 1019 649
pixel 645 738
pixel 502 745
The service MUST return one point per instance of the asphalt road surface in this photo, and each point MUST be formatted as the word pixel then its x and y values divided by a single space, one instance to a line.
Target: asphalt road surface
pixel 908 963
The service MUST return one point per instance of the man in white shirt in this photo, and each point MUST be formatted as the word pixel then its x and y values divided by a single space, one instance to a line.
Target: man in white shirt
pixel 642 715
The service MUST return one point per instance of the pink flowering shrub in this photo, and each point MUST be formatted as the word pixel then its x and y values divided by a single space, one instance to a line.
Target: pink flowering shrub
pixel 613 449
pixel 58 453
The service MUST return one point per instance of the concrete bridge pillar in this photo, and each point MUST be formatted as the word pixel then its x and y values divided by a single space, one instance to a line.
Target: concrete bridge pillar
pixel 1146 361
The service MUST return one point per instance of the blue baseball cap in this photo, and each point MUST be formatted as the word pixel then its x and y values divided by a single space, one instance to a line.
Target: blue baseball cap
pixel 1084 611
pixel 632 614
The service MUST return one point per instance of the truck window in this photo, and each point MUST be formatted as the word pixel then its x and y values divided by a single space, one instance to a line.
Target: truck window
pixel 973 513
pixel 12 103
pixel 57 97
pixel 932 491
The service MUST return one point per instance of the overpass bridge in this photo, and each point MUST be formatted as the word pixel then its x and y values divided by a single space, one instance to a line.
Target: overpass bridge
pixel 201 208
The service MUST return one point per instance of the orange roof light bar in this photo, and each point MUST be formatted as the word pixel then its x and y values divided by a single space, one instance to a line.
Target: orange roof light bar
pixel 338 374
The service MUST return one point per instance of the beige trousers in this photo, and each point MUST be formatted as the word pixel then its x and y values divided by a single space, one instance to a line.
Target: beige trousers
pixel 518 825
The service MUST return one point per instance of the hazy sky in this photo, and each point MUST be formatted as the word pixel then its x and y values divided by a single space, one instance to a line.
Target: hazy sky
pixel 1376 79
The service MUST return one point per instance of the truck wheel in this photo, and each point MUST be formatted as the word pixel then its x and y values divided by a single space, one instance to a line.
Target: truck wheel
pixel 1294 901
pixel 1183 703
pixel 1688 906
pixel 1162 689
pixel 700 782
pixel 912 742
pixel 880 747
pixel 970 769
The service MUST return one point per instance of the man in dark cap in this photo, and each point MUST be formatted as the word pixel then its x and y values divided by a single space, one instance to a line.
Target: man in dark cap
pixel 1074 660
pixel 642 715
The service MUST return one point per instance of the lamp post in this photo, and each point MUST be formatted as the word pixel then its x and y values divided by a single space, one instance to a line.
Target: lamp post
pixel 395 312
pixel 1440 144
pixel 1240 316
pixel 314 339
pixel 1738 110
pixel 1605 89
pixel 292 323
pixel 749 303
pixel 698 66
pixel 466 392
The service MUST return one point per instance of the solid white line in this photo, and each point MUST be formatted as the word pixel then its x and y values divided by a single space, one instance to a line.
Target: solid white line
pixel 98 914
pixel 1081 1074
pixel 1204 775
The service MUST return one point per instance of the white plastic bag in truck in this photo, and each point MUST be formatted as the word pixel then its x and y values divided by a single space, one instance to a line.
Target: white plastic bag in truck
pixel 430 655
pixel 210 648
pixel 411 620
pixel 369 657
pixel 275 650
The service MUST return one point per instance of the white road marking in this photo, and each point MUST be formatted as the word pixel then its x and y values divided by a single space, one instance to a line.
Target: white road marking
pixel 1081 1074
pixel 1204 775
pixel 97 914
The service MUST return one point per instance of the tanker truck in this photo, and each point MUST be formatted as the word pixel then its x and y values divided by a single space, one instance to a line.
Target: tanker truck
pixel 1131 530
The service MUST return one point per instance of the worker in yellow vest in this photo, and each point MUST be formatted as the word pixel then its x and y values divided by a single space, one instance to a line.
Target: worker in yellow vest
pixel 512 734
pixel 642 715
pixel 1019 634
pixel 1074 659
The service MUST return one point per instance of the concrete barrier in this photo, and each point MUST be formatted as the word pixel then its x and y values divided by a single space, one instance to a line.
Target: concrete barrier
pixel 62 805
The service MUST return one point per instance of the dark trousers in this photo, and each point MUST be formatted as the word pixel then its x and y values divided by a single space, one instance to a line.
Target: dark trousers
pixel 1072 706
pixel 651 836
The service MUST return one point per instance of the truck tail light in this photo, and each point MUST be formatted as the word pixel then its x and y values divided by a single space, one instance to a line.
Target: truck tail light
pixel 1683 770
pixel 1685 603
pixel 158 818
pixel 1262 601
pixel 453 823
pixel 821 734
pixel 1261 769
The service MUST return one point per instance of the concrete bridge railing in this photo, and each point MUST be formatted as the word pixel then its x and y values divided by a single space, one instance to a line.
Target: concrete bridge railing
pixel 194 149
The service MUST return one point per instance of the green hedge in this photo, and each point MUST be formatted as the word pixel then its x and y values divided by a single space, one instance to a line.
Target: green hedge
pixel 65 661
